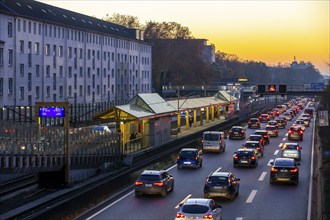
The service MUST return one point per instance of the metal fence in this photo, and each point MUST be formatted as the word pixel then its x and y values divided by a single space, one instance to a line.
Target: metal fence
pixel 30 148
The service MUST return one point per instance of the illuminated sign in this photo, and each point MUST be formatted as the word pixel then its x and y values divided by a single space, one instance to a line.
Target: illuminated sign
pixel 52 112
pixel 243 80
pixel 271 89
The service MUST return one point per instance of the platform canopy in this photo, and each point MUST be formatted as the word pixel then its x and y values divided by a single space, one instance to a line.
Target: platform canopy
pixel 142 106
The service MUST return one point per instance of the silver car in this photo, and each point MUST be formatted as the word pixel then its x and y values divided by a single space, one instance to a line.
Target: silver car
pixel 199 208
pixel 291 153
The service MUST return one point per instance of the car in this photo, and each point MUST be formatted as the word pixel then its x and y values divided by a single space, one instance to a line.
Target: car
pixel 245 157
pixel 237 132
pixel 254 123
pixel 305 119
pixel 213 141
pixel 295 133
pixel 291 153
pixel 199 208
pixel 189 157
pixel 273 122
pixel 309 111
pixel 280 122
pixel 302 126
pixel 305 115
pixel 221 184
pixel 291 145
pixel 264 118
pixel 301 122
pixel 154 182
pixel 272 130
pixel 283 118
pixel 288 116
pixel 276 111
pixel 254 145
pixel 271 115
pixel 264 134
pixel 257 137
pixel 284 170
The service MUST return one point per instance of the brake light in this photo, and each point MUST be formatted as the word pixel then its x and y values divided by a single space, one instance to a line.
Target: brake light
pixel 196 158
pixel 294 170
pixel 208 216
pixel 158 184
pixel 300 131
pixel 235 157
pixel 290 132
pixel 179 215
pixel 178 158
pixel 138 183
pixel 253 158
pixel 242 132
pixel 274 169
pixel 258 148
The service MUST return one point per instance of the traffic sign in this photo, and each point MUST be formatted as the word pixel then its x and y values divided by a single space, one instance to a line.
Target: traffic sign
pixel 323 118
pixel 271 89
pixel 317 86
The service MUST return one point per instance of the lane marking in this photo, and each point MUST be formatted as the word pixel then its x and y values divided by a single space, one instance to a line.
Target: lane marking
pixel 271 160
pixel 239 218
pixel 118 200
pixel 251 196
pixel 262 176
pixel 283 139
pixel 280 145
pixel 276 152
pixel 218 169
pixel 309 208
pixel 185 199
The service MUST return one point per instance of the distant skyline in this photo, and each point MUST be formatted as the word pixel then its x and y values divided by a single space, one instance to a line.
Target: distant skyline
pixel 268 31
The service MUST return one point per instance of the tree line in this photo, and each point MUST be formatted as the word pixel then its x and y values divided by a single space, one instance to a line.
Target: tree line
pixel 179 62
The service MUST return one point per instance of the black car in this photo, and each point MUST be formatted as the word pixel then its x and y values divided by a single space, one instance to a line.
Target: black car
pixel 245 157
pixel 254 123
pixel 237 132
pixel 254 145
pixel 154 182
pixel 264 134
pixel 221 184
pixel 257 137
pixel 284 170
pixel 189 157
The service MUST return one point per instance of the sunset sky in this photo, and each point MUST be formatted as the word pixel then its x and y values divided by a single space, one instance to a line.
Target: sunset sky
pixel 269 31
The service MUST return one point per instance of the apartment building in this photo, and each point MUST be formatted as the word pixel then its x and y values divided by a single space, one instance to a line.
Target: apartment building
pixel 49 54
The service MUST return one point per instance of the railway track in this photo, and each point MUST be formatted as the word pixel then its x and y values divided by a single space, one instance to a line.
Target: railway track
pixel 14 186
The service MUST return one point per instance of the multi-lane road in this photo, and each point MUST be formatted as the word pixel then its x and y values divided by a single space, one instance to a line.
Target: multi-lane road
pixel 257 198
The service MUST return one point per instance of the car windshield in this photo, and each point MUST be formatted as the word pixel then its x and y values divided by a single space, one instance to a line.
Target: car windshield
pixel 236 129
pixel 261 133
pixel 218 180
pixel 290 151
pixel 290 146
pixel 244 153
pixel 195 209
pixel 189 154
pixel 211 137
pixel 144 177
pixel 257 138
pixel 284 163
pixel 251 145
pixel 270 128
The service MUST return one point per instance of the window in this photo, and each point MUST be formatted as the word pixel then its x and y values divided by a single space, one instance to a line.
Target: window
pixel 36 47
pixel 47 49
pixel 80 90
pixel 18 25
pixel 10 57
pixel 1 86
pixel 88 90
pixel 1 56
pixel 80 53
pixel 81 72
pixel 21 92
pixel 24 26
pixel 47 70
pixel 47 91
pixel 69 52
pixel 60 51
pixel 10 29
pixel 61 71
pixel 70 72
pixel 70 91
pixel 10 86
pixel 21 46
pixel 37 92
pixel 37 70
pixel 29 81
pixel 21 70
pixel 61 91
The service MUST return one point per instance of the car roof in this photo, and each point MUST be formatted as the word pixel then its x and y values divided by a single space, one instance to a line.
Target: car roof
pixel 264 131
pixel 152 172
pixel 270 126
pixel 255 135
pixel 252 142
pixel 189 149
pixel 217 173
pixel 280 159
pixel 291 143
pixel 237 127
pixel 245 149
pixel 200 201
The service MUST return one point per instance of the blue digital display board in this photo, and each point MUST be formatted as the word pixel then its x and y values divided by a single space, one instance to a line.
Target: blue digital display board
pixel 51 112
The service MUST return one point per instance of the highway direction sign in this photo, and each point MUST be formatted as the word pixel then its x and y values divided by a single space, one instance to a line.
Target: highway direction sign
pixel 323 118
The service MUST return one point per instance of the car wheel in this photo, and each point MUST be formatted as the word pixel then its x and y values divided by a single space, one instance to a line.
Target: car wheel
pixel 224 149
pixel 271 181
pixel 164 193
pixel 236 194
pixel 255 165
pixel 138 194
pixel 296 182
pixel 172 188
pixel 235 165
pixel 179 167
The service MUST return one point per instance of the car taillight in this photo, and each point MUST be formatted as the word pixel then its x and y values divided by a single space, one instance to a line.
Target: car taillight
pixel 178 158
pixel 158 184
pixel 294 170
pixel 235 157
pixel 196 158
pixel 138 183
pixel 179 215
pixel 301 132
pixel 242 132
pixel 208 216
pixel 290 132
pixel 253 158
pixel 258 148
pixel 274 169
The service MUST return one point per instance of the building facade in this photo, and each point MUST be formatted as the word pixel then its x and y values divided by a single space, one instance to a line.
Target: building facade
pixel 49 54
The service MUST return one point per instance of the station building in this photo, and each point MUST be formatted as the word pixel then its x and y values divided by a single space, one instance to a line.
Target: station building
pixel 49 54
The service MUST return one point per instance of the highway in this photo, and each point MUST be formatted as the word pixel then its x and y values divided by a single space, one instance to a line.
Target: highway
pixel 257 199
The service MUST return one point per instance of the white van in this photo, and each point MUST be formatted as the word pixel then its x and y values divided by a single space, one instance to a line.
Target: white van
pixel 214 141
